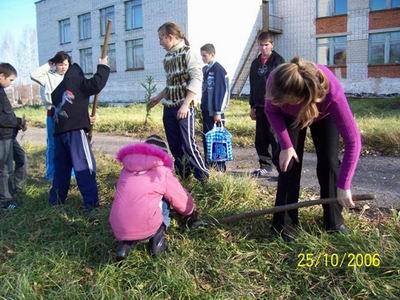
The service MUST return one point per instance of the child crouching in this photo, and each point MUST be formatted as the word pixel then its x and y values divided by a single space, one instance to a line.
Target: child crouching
pixel 145 190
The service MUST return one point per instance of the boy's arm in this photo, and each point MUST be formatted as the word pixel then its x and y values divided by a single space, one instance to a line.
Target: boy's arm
pixel 252 88
pixel 177 196
pixel 8 118
pixel 220 92
pixel 95 84
pixel 39 75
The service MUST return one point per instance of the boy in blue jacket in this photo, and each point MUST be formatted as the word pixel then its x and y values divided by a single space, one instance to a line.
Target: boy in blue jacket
pixel 214 98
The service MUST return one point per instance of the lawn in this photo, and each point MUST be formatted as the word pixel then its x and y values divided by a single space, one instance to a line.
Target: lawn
pixel 64 253
pixel 378 119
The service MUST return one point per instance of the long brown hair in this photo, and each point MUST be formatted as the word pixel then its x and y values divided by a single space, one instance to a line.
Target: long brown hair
pixel 298 82
pixel 171 28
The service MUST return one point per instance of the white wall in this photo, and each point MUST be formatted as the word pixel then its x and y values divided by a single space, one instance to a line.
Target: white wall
pixel 225 23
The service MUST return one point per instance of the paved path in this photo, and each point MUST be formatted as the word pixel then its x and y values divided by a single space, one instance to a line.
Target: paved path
pixel 375 174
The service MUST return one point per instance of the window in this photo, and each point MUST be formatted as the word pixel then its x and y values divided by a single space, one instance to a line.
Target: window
pixel 105 14
pixel 332 51
pixel 384 4
pixel 86 60
pixel 65 31
pixel 112 61
pixel 384 48
pixel 134 54
pixel 133 14
pixel 331 8
pixel 84 27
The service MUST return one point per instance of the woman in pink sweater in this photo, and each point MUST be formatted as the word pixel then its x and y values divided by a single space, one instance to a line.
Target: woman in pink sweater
pixel 145 189
pixel 299 95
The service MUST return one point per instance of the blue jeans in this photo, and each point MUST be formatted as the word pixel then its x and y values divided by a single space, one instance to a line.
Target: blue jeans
pixel 165 212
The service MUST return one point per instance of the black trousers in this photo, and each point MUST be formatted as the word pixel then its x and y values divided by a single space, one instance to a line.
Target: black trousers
pixel 208 124
pixel 181 141
pixel 264 138
pixel 325 136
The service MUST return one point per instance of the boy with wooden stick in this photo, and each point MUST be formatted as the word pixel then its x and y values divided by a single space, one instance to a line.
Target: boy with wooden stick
pixel 72 122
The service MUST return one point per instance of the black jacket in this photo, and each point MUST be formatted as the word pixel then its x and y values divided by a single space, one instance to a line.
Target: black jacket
pixel 258 77
pixel 71 98
pixel 9 123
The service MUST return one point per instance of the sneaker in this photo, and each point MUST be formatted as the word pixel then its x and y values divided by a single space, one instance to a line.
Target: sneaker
pixel 261 173
pixel 9 205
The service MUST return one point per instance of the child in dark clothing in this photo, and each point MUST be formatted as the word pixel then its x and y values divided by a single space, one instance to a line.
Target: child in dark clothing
pixel 260 69
pixel 70 101
pixel 214 98
pixel 9 123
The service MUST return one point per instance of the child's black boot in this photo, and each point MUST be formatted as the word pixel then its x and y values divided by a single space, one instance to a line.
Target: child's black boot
pixel 158 243
pixel 123 249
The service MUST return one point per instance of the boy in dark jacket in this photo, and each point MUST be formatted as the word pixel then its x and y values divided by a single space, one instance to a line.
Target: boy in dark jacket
pixel 71 119
pixel 9 124
pixel 214 98
pixel 260 69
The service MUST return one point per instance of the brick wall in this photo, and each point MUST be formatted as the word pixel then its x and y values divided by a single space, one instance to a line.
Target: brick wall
pixel 391 71
pixel 384 19
pixel 331 24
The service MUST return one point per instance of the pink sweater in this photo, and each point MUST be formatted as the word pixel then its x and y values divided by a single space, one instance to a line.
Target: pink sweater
pixel 334 104
pixel 145 179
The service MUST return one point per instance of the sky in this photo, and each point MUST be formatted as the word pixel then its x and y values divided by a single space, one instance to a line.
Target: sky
pixel 17 15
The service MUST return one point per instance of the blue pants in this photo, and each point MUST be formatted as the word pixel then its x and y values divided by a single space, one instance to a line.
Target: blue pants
pixel 73 150
pixel 50 149
pixel 181 142
pixel 208 124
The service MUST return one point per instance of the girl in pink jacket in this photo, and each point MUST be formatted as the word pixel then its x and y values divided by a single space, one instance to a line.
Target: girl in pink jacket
pixel 145 189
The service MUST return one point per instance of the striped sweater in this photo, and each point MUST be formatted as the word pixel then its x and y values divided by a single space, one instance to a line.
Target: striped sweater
pixel 183 72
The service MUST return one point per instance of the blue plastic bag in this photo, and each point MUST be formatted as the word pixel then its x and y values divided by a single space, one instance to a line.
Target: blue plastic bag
pixel 219 144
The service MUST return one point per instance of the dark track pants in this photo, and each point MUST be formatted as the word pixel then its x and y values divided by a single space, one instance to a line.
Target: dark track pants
pixel 265 138
pixel 72 150
pixel 325 136
pixel 181 141
pixel 208 124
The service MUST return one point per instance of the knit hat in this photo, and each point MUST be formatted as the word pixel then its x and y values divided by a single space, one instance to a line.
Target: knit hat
pixel 157 141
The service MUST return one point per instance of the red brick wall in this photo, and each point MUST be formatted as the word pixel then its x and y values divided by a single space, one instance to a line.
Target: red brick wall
pixel 377 71
pixel 343 71
pixel 331 24
pixel 384 19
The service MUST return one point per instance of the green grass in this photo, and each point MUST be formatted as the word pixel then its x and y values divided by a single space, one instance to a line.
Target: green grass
pixel 378 119
pixel 63 253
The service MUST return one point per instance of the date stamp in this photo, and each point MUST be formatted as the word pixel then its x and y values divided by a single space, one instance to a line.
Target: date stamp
pixel 338 260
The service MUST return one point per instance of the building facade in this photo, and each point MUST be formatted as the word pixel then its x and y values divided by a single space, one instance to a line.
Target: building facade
pixel 358 39
pixel 78 27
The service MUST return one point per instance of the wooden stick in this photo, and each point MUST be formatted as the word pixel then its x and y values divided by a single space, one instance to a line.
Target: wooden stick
pixel 276 209
pixel 104 51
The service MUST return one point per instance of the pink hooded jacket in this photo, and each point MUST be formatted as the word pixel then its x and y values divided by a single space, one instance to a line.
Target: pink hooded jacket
pixel 145 179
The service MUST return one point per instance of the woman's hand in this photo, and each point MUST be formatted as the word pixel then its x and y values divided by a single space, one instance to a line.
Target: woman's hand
pixel 252 113
pixel 183 111
pixel 154 101
pixel 92 119
pixel 344 198
pixel 285 156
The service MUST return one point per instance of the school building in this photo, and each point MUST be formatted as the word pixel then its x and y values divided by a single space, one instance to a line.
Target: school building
pixel 358 39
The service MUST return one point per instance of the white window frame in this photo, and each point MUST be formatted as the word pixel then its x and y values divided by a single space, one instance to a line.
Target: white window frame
pixel 130 8
pixel 85 63
pixel 65 31
pixel 387 43
pixel 331 48
pixel 130 50
pixel 332 8
pixel 82 19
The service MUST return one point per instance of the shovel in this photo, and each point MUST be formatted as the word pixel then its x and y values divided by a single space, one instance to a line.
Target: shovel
pixel 256 213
